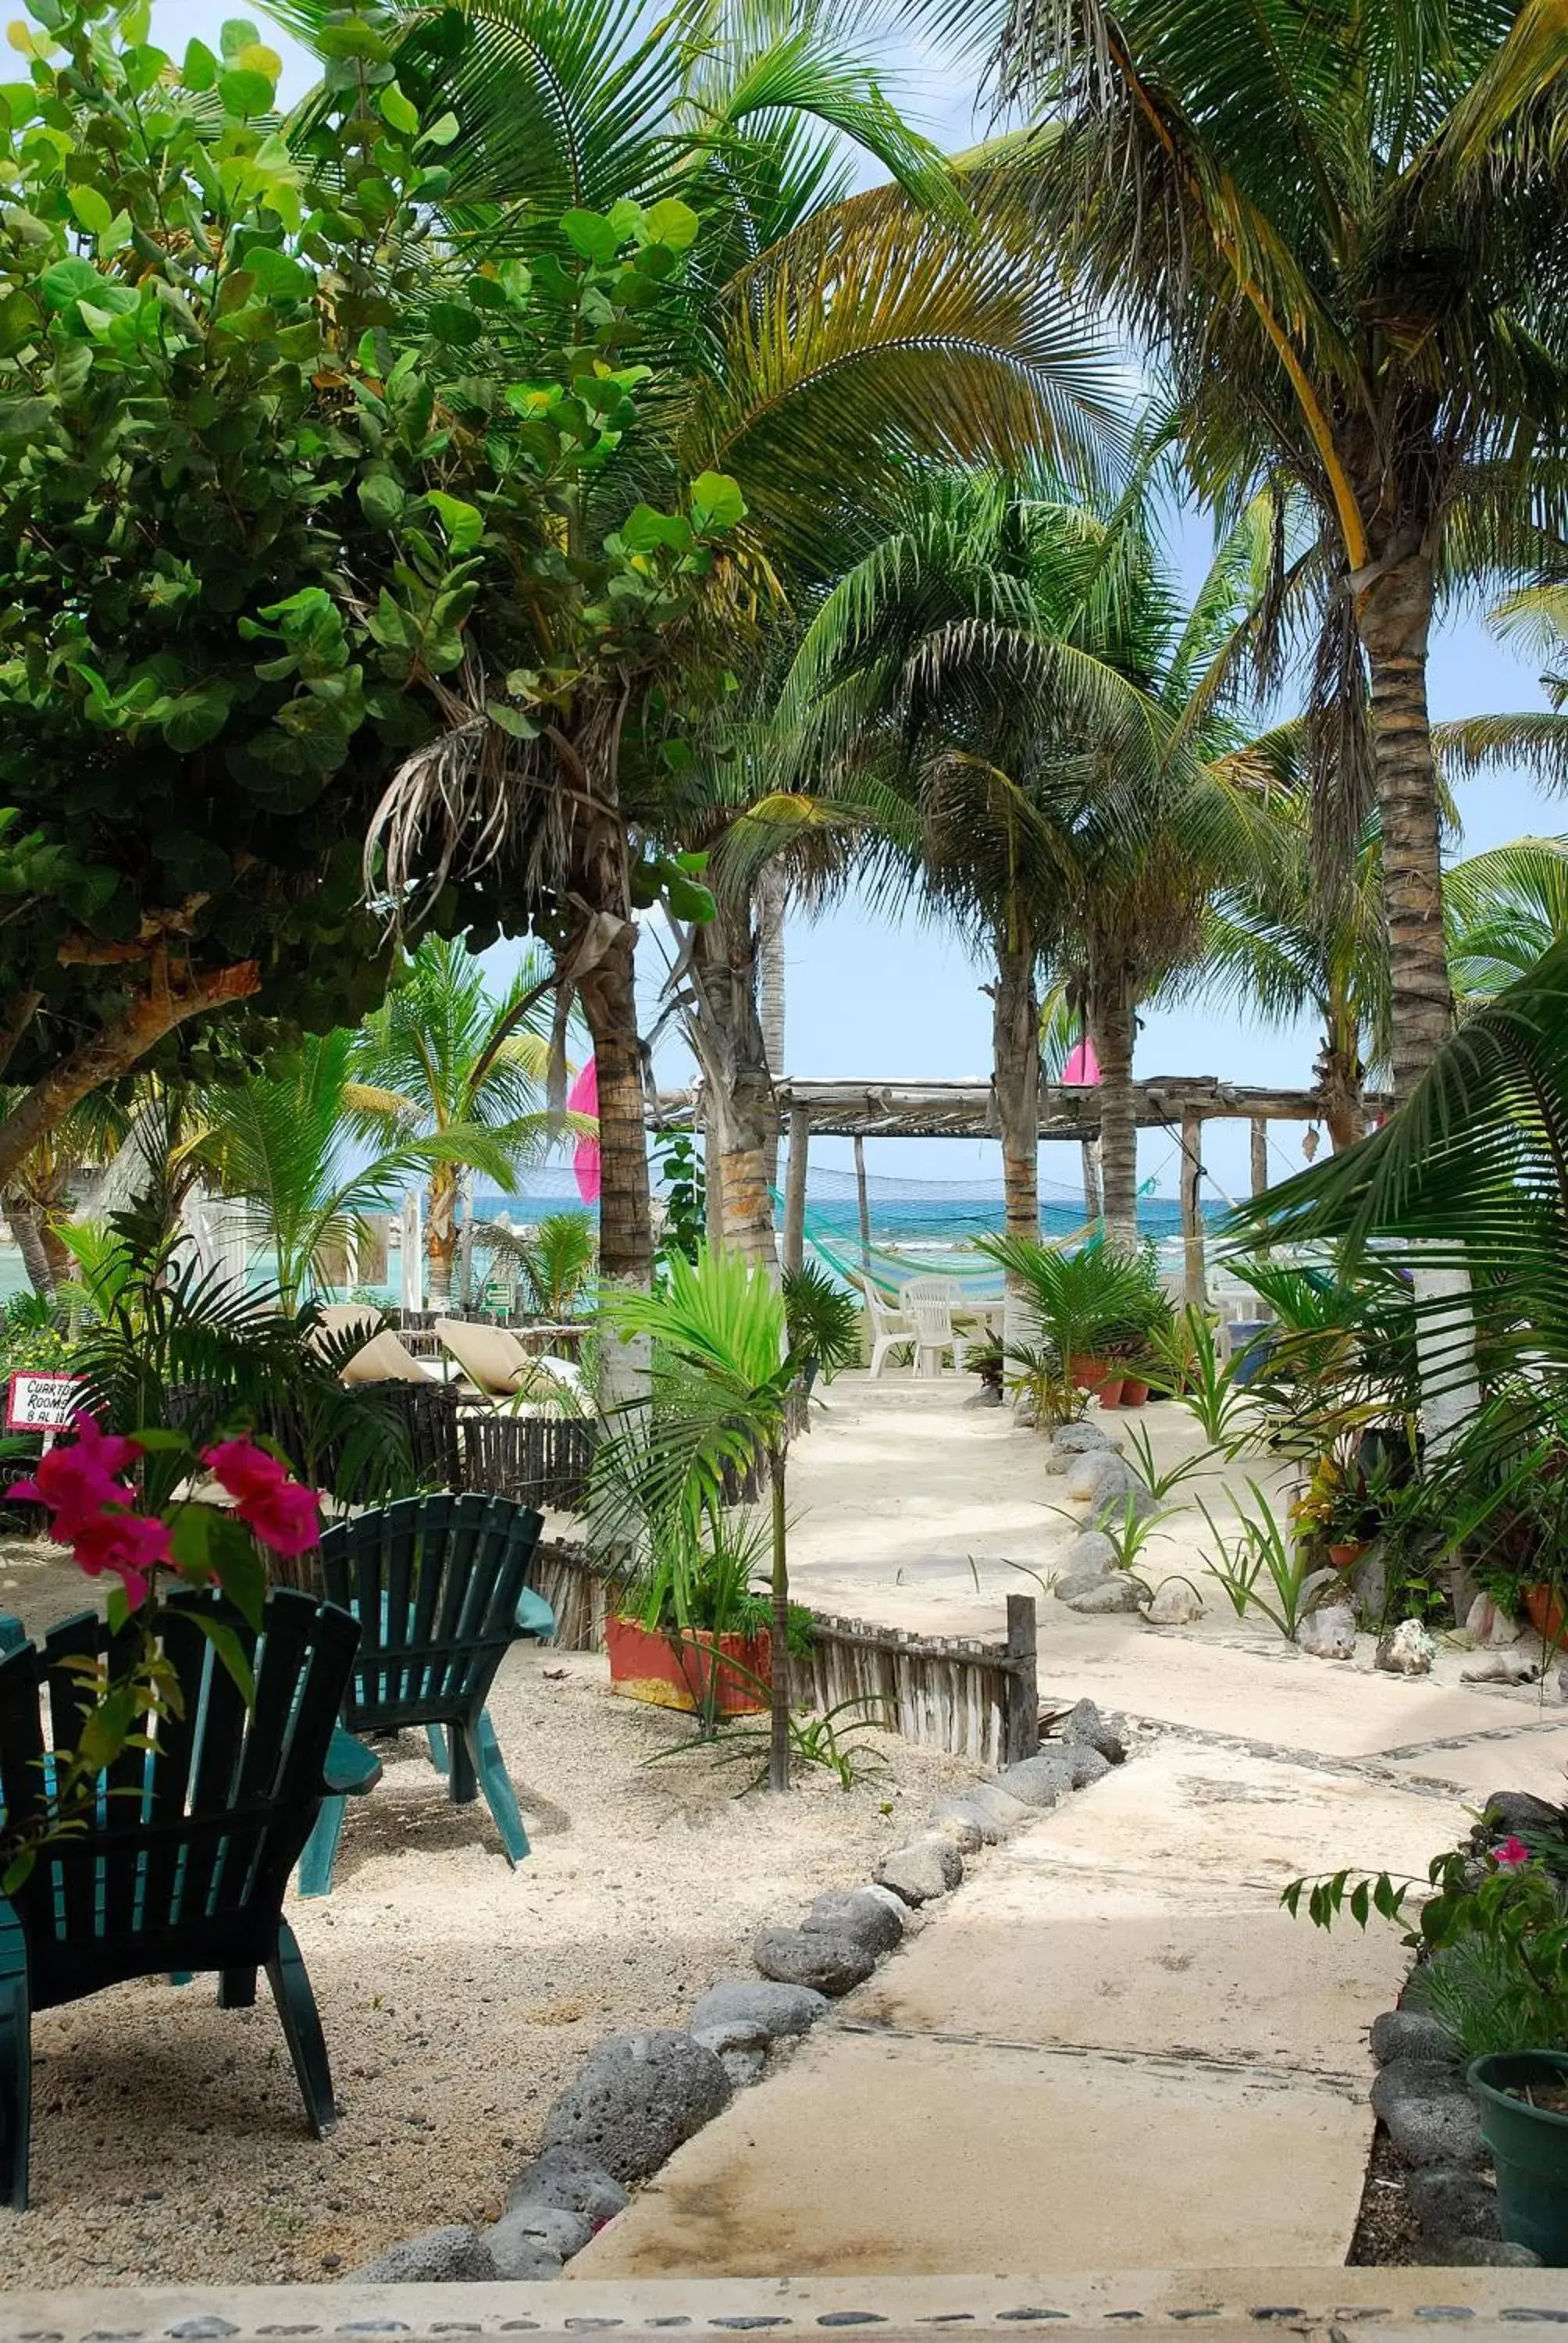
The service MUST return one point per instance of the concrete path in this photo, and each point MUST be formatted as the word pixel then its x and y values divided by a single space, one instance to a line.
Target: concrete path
pixel 1111 2046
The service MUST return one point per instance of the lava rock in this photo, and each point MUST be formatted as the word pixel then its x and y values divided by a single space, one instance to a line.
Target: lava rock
pixel 1489 1626
pixel 1042 1781
pixel 454 2256
pixel 1085 1766
pixel 638 2099
pixel 1407 1651
pixel 744 2067
pixel 1449 2202
pixel 874 1916
pixel 747 2013
pixel 1501 1668
pixel 1118 1504
pixel 1409 2033
pixel 1068 1590
pixel 1329 1634
pixel 1105 1596
pixel 1080 1439
pixel 828 1960
pixel 1173 1604
pixel 1099 1473
pixel 566 2180
pixel 922 1871
pixel 976 1817
pixel 1369 1588
pixel 1475 2253
pixel 1084 1727
pixel 1510 1814
pixel 1430 2117
pixel 529 2236
pixel 1088 1555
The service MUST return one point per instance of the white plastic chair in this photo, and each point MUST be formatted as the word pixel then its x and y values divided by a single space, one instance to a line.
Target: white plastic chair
pixel 928 1304
pixel 889 1327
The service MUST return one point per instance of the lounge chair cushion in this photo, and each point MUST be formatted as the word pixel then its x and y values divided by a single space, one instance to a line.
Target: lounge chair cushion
pixel 489 1356
pixel 383 1360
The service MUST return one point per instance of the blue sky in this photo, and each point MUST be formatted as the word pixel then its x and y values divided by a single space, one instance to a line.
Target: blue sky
pixel 871 996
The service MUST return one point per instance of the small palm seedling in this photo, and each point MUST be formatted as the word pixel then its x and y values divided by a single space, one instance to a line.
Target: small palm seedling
pixel 1190 1369
pixel 1264 1549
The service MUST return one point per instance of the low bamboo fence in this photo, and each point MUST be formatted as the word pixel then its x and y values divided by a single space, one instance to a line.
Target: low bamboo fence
pixel 972 1699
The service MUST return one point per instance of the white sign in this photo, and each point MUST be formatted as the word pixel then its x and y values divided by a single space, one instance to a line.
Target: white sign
pixel 41 1402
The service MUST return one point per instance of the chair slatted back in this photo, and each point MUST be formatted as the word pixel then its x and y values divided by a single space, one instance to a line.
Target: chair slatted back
pixel 927 1303
pixel 434 1583
pixel 179 1855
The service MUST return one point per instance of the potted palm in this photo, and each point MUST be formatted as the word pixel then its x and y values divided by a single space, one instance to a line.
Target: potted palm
pixel 722 1376
pixel 1081 1304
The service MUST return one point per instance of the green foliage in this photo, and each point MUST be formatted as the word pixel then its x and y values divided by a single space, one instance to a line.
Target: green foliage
pixel 557 1264
pixel 1074 1301
pixel 275 468
pixel 683 1184
pixel 822 1319
pixel 1187 1364
pixel 1495 1931
pixel 1264 1549
pixel 31 1341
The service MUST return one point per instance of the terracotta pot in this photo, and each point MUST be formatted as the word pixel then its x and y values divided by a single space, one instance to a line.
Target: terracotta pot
pixel 1133 1393
pixel 1109 1390
pixel 686 1672
pixel 1346 1556
pixel 1088 1371
pixel 1547 1615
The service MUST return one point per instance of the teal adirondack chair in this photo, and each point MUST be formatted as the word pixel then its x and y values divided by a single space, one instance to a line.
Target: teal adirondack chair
pixel 184 1864
pixel 439 1587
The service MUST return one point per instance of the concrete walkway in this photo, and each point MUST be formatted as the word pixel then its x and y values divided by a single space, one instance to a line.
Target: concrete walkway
pixel 1110 2046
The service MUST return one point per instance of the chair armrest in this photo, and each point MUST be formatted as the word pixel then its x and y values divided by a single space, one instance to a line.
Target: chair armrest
pixel 350 1768
pixel 534 1615
pixel 12 1635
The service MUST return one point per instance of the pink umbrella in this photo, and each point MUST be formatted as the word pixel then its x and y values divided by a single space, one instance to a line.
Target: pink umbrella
pixel 1083 1066
pixel 583 1099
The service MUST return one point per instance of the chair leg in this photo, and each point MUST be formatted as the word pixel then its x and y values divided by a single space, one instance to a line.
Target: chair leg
pixel 301 2022
pixel 16 2083
pixel 321 1849
pixel 237 1989
pixel 436 1736
pixel 496 1785
pixel 462 1780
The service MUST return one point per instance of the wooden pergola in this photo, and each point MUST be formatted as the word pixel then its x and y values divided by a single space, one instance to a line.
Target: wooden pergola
pixel 1179 1103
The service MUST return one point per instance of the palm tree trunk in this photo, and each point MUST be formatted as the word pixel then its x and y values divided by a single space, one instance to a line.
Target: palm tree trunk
pixel 23 1220
pixel 1393 616
pixel 1015 1085
pixel 770 992
pixel 441 1238
pixel 1111 1023
pixel 625 1222
pixel 726 1032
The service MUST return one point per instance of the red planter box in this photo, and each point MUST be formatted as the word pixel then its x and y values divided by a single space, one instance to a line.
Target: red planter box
pixel 686 1672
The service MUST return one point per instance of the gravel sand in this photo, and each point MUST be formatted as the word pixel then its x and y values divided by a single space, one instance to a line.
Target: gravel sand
pixel 457 1995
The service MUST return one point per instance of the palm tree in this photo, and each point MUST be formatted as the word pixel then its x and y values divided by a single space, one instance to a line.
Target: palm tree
pixel 811 344
pixel 1340 232
pixel 443 1054
pixel 283 1141
pixel 1008 693
pixel 1507 910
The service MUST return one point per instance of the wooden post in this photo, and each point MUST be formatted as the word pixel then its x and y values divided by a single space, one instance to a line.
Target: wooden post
pixel 795 1188
pixel 864 1203
pixel 1022 1739
pixel 1260 1154
pixel 1092 1204
pixel 1195 1290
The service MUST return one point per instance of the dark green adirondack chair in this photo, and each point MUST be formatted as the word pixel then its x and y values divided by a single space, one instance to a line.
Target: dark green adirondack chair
pixel 184 1864
pixel 439 1587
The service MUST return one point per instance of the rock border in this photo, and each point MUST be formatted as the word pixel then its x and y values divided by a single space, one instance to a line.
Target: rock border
pixel 639 2097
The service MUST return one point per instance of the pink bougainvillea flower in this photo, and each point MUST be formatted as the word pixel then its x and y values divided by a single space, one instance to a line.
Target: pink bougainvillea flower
pixel 112 1451
pixel 130 1544
pixel 1511 1855
pixel 284 1514
pixel 75 1487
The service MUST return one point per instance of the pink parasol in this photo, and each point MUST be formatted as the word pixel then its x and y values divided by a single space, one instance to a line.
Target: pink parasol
pixel 1083 1066
pixel 583 1099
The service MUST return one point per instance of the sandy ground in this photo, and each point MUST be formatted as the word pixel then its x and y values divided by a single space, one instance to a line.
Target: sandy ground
pixel 457 1996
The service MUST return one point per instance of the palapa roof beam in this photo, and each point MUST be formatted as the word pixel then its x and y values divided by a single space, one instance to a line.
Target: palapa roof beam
pixel 964 1110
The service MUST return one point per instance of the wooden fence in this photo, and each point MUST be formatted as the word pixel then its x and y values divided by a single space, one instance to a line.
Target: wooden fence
pixel 973 1699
